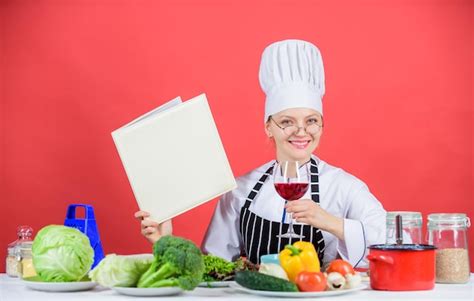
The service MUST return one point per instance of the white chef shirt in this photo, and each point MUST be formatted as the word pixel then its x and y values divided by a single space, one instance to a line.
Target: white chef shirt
pixel 341 194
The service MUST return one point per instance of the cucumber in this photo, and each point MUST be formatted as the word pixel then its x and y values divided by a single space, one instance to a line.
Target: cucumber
pixel 258 281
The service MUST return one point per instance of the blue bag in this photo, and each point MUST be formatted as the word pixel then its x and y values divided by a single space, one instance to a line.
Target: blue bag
pixel 88 226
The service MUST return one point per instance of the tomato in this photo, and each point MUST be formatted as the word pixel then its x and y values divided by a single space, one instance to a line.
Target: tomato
pixel 311 281
pixel 341 266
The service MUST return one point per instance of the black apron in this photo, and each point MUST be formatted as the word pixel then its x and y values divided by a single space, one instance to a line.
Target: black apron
pixel 260 236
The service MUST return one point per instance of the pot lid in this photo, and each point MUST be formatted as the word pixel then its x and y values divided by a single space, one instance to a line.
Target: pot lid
pixel 402 247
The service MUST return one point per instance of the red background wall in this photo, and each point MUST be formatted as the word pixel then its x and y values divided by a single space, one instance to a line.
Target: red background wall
pixel 398 107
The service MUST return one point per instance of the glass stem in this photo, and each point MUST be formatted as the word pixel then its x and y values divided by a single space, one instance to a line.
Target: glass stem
pixel 290 227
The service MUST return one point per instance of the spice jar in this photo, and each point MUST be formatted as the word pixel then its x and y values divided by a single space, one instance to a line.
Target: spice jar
pixel 27 268
pixel 13 265
pixel 448 232
pixel 411 225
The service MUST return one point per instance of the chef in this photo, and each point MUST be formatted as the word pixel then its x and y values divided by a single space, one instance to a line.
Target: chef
pixel 338 213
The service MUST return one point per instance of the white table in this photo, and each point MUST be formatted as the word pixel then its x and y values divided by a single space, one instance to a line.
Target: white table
pixel 14 289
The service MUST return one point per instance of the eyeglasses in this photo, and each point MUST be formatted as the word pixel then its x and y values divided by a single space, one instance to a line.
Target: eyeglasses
pixel 289 130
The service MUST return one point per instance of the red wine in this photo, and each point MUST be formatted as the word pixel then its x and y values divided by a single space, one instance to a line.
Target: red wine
pixel 291 191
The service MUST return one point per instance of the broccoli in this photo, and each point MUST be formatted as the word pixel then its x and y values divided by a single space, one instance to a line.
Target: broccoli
pixel 177 262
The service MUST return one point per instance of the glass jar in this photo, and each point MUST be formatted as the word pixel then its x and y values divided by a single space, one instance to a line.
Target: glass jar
pixel 13 265
pixel 411 223
pixel 448 232
pixel 26 261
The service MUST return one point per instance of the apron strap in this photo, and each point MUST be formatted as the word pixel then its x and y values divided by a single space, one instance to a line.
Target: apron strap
pixel 314 181
pixel 258 186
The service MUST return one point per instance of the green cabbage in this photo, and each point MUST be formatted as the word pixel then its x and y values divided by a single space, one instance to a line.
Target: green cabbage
pixel 61 254
pixel 121 270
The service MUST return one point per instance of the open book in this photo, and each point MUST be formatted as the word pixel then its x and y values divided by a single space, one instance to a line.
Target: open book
pixel 174 158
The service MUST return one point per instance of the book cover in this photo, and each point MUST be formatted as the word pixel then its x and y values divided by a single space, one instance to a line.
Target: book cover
pixel 174 158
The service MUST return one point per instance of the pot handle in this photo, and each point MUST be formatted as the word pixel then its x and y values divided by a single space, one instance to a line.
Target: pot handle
pixel 382 258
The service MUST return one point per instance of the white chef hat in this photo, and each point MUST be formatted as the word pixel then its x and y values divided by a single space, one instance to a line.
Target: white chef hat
pixel 292 76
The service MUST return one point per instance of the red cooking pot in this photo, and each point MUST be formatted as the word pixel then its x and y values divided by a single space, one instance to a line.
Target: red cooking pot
pixel 402 267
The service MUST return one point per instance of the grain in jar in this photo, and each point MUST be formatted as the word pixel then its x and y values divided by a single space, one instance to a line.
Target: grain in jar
pixel 13 264
pixel 27 267
pixel 452 265
pixel 448 232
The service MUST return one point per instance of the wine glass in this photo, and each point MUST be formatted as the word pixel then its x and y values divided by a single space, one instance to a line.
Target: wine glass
pixel 291 185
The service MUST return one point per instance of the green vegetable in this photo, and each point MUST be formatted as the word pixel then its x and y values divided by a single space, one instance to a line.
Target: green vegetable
pixel 177 262
pixel 120 270
pixel 258 281
pixel 219 269
pixel 61 254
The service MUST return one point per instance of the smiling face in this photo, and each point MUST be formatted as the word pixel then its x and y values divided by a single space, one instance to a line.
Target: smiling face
pixel 287 128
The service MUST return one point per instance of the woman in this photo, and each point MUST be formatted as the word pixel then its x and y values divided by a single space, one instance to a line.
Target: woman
pixel 338 214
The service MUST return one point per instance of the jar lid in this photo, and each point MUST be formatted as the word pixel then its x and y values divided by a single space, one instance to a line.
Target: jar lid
pixel 12 251
pixel 448 220
pixel 24 232
pixel 25 248
pixel 409 218
pixel 26 245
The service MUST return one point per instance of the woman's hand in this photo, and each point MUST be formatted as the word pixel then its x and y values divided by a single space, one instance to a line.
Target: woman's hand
pixel 308 212
pixel 151 229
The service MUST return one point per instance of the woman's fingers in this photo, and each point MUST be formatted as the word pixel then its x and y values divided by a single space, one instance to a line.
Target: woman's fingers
pixel 148 230
pixel 303 220
pixel 149 223
pixel 297 215
pixel 141 215
pixel 302 214
pixel 297 206
pixel 148 226
pixel 151 229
